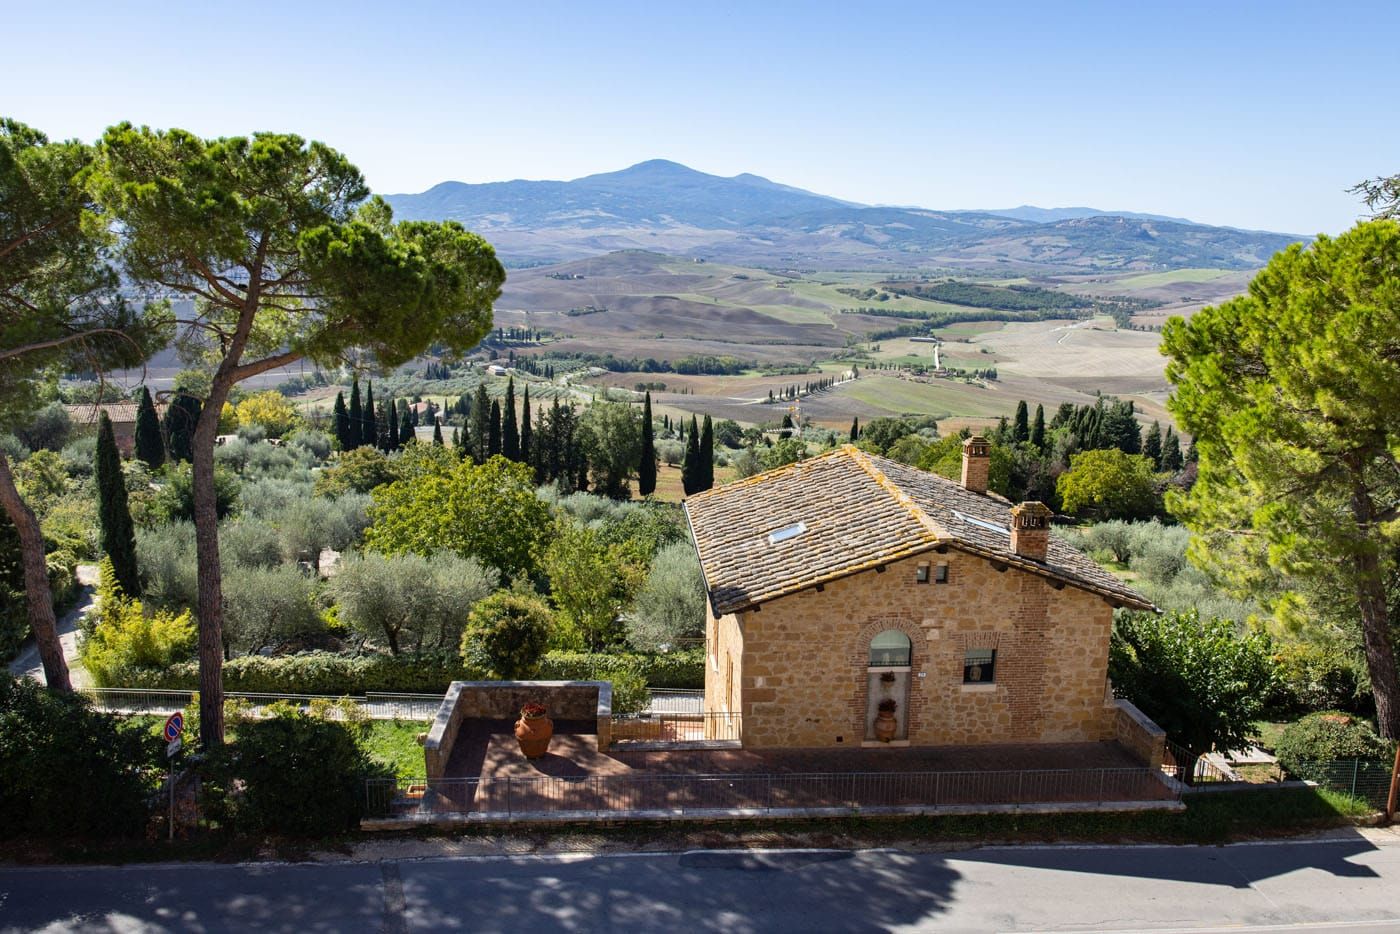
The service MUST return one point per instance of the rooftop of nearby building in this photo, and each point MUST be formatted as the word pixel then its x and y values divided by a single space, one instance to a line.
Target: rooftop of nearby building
pixel 847 511
pixel 87 413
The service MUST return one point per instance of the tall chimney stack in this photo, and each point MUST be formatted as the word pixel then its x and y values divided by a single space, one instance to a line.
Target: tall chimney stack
pixel 1030 530
pixel 977 461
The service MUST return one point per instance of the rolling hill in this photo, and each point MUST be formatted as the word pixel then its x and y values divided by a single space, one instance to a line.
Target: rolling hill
pixel 752 221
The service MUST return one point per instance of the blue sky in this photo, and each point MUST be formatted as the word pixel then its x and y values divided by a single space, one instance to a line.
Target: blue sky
pixel 1248 114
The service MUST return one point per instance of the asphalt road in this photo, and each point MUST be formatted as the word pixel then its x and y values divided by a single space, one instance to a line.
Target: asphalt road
pixel 1350 885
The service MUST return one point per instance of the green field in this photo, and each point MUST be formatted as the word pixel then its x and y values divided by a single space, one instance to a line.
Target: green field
pixel 896 396
pixel 1154 279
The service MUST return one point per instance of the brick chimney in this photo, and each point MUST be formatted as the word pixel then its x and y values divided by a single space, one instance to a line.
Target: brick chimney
pixel 977 461
pixel 1030 530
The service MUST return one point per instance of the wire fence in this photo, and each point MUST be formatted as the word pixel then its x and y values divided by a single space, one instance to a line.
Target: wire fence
pixel 714 794
pixel 1366 779
pixel 674 703
pixel 376 706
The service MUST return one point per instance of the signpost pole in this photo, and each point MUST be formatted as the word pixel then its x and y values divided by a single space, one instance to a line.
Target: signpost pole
pixel 174 729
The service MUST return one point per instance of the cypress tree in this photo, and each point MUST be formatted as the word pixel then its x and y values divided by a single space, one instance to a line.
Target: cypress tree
pixel 357 417
pixel 150 446
pixel 1171 451
pixel 527 439
pixel 707 455
pixel 493 428
pixel 117 538
pixel 437 435
pixel 690 467
pixel 389 440
pixel 510 434
pixel 855 429
pixel 180 419
pixel 480 425
pixel 408 427
pixel 1152 445
pixel 1021 428
pixel 646 468
pixel 1038 428
pixel 342 422
pixel 369 424
pixel 457 439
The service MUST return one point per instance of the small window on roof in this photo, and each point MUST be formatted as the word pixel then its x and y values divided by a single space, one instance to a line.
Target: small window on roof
pixel 786 532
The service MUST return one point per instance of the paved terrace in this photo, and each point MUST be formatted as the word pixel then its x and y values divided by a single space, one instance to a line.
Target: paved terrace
pixel 487 775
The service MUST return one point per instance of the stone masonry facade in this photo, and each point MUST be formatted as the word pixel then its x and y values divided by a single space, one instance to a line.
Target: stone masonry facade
pixel 795 669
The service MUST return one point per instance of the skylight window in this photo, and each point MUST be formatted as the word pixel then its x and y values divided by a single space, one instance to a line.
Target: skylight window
pixel 786 532
pixel 982 523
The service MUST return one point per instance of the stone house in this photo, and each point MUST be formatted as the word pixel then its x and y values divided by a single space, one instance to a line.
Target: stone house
pixel 848 579
pixel 123 415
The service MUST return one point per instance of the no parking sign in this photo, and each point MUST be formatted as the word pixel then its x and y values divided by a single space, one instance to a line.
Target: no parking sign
pixel 174 727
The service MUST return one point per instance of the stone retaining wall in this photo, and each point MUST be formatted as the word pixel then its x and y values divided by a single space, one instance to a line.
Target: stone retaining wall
pixel 1135 732
pixel 502 700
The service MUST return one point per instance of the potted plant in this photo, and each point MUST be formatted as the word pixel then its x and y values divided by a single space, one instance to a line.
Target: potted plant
pixel 885 724
pixel 533 730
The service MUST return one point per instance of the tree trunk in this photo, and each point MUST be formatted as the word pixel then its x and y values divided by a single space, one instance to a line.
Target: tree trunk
pixel 209 608
pixel 1375 622
pixel 38 597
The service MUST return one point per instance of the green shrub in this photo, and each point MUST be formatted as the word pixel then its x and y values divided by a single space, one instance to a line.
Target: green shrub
pixel 429 673
pixel 629 692
pixel 682 669
pixel 66 770
pixel 317 673
pixel 1319 738
pixel 506 635
pixel 1316 676
pixel 125 637
pixel 299 775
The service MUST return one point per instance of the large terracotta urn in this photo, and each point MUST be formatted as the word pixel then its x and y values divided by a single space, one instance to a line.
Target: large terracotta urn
pixel 533 730
pixel 885 723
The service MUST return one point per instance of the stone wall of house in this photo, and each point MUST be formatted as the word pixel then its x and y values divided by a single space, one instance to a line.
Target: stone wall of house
pixel 802 661
pixel 724 659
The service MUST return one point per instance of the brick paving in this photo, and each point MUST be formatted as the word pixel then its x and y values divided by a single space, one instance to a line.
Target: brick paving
pixel 574 776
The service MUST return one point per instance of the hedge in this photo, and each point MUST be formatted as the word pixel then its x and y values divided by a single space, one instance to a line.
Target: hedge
pixel 329 673
pixel 682 669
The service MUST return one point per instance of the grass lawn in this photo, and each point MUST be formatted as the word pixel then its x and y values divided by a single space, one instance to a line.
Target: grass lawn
pixel 395 743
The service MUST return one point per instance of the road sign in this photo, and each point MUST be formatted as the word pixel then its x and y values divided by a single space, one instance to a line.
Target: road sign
pixel 173 747
pixel 174 726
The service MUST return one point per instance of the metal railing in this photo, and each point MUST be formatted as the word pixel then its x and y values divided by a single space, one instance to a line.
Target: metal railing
pixel 1202 771
pixel 675 700
pixel 155 701
pixel 682 727
pixel 699 795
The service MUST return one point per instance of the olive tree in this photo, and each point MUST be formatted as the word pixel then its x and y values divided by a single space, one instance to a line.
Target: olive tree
pixel 409 602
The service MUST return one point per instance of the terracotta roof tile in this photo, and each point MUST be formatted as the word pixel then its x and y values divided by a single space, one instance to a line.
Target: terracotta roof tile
pixel 857 510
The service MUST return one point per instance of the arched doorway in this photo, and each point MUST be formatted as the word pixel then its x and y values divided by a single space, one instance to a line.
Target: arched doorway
pixel 887 679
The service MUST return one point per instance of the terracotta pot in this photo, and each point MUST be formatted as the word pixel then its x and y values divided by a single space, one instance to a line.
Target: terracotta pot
pixel 885 726
pixel 533 734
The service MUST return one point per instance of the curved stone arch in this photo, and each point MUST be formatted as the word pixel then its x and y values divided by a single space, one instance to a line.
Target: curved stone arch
pixel 918 648
pixel 859 663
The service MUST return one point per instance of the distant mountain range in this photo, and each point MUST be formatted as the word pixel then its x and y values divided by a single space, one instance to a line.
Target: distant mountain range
pixel 749 220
